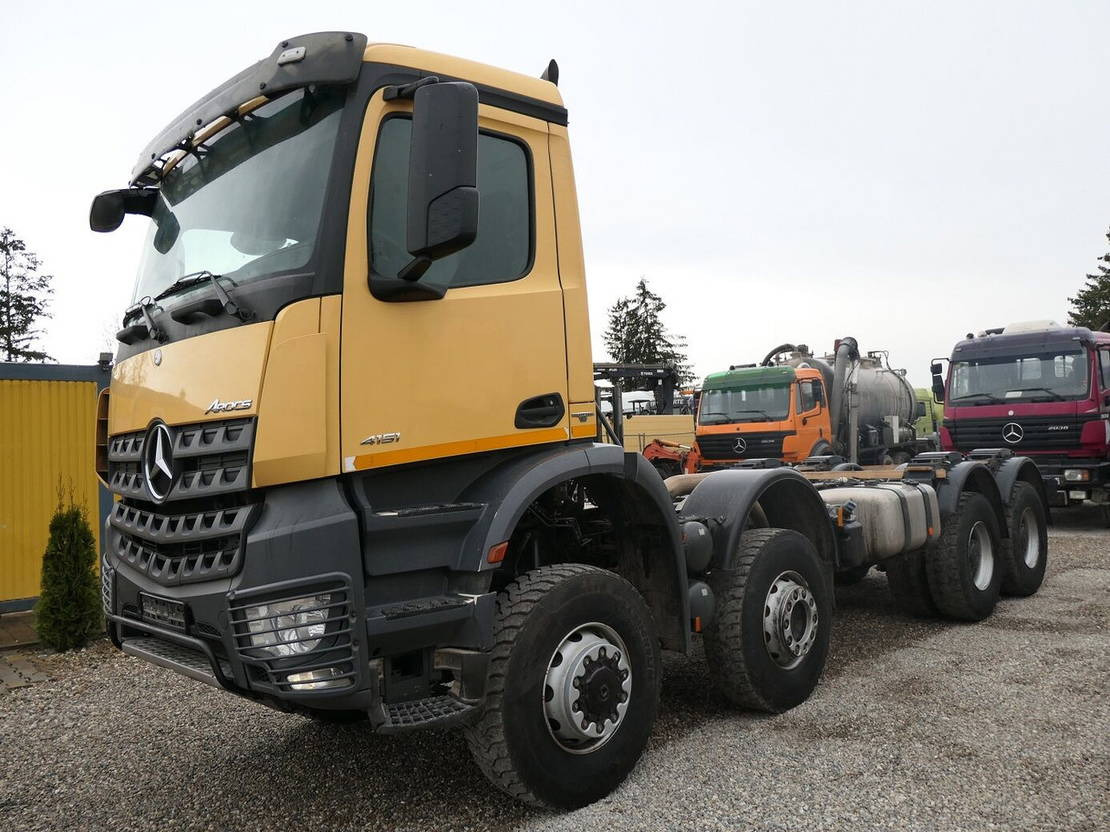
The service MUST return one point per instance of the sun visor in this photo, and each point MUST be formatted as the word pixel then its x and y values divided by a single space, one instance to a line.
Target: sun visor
pixel 321 58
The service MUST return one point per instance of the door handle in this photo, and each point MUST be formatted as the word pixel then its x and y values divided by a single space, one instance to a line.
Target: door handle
pixel 540 411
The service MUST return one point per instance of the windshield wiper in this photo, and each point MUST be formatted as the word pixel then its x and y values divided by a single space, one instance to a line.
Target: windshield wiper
pixel 990 397
pixel 765 414
pixel 1056 396
pixel 187 280
pixel 137 332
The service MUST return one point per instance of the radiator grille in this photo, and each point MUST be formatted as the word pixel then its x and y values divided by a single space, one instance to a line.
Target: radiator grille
pixel 1037 433
pixel 757 445
pixel 209 458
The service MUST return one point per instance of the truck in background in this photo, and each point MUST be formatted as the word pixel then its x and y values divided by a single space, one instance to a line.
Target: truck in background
pixel 1042 390
pixel 795 405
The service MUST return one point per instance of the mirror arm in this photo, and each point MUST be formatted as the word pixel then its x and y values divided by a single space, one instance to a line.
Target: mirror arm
pixel 403 91
pixel 415 268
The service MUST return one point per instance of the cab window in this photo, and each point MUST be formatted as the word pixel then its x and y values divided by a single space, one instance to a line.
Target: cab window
pixel 1104 368
pixel 502 250
pixel 809 395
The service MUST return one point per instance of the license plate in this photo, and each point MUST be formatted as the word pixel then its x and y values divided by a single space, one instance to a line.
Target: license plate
pixel 162 611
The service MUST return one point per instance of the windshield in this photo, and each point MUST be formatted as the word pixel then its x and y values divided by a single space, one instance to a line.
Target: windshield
pixel 248 203
pixel 770 403
pixel 1051 375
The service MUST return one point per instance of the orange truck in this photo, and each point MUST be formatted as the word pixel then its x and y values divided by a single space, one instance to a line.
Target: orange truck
pixel 794 405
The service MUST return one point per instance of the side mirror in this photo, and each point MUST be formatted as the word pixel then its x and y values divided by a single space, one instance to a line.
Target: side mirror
pixel 935 368
pixel 938 387
pixel 919 410
pixel 109 208
pixel 443 174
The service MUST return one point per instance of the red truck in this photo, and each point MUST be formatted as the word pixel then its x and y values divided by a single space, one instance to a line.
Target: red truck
pixel 1042 390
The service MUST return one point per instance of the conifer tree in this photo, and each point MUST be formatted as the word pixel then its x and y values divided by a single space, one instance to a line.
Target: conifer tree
pixel 68 613
pixel 636 335
pixel 1091 307
pixel 24 297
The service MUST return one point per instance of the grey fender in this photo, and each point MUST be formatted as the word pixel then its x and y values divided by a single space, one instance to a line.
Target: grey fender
pixel 970 475
pixel 789 501
pixel 1019 469
pixel 509 489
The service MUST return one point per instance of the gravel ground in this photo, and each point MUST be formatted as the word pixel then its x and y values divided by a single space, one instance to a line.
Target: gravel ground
pixel 916 725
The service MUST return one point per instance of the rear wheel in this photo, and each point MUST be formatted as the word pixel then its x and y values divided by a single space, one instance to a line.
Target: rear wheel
pixel 964 569
pixel 573 687
pixel 1026 552
pixel 768 643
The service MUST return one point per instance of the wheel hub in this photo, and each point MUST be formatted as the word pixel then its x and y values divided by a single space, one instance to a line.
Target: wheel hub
pixel 981 554
pixel 1029 538
pixel 789 620
pixel 587 688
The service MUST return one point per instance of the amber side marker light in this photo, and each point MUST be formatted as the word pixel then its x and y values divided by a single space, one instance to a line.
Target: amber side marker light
pixel 497 553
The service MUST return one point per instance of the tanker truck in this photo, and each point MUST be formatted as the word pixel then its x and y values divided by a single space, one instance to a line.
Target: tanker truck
pixel 794 405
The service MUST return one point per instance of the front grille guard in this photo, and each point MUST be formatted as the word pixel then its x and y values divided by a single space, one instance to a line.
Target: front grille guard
pixel 339 631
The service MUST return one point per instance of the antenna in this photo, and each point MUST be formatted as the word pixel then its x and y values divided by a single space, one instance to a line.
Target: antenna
pixel 551 73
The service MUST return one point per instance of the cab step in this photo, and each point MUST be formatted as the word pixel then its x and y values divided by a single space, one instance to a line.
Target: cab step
pixel 432 712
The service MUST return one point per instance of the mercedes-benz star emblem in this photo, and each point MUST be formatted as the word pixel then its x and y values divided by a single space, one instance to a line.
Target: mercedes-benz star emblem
pixel 158 461
pixel 740 445
pixel 1012 432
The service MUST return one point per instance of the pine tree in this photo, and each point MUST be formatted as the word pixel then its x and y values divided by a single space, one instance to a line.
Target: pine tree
pixel 24 297
pixel 636 334
pixel 68 611
pixel 1092 304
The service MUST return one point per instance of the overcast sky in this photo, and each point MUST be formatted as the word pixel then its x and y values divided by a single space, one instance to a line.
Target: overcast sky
pixel 900 172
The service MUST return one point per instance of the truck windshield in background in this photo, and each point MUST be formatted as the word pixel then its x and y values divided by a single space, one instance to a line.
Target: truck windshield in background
pixel 767 403
pixel 247 203
pixel 1054 375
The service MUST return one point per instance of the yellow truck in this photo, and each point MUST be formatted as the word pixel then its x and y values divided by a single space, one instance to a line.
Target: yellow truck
pixel 353 436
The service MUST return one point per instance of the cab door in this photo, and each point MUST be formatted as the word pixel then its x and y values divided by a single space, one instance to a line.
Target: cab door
pixel 484 367
pixel 813 417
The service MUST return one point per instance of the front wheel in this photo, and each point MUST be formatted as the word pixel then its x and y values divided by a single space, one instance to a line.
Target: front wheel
pixel 768 643
pixel 573 687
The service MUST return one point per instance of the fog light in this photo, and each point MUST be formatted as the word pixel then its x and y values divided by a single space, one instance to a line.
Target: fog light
pixel 288 628
pixel 1077 475
pixel 1077 495
pixel 328 677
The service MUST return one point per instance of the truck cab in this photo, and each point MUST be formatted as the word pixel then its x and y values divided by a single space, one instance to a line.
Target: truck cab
pixel 1040 389
pixel 762 412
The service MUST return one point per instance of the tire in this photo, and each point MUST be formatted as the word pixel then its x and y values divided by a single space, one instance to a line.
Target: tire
pixel 514 739
pixel 965 568
pixel 852 575
pixel 822 448
pixel 909 584
pixel 750 624
pixel 1026 550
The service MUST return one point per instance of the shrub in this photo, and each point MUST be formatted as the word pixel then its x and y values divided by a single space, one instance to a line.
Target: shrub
pixel 68 612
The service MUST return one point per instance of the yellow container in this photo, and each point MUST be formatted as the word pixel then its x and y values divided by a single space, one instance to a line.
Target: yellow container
pixel 46 454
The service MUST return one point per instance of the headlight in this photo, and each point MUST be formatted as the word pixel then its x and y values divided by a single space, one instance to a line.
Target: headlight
pixel 1077 475
pixel 288 628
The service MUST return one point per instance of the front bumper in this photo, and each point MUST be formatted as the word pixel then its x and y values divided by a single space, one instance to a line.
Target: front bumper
pixel 399 648
pixel 1067 492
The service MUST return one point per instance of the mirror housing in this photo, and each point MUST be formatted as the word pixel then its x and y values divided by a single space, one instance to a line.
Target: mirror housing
pixel 938 387
pixel 443 174
pixel 110 207
pixel 935 368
